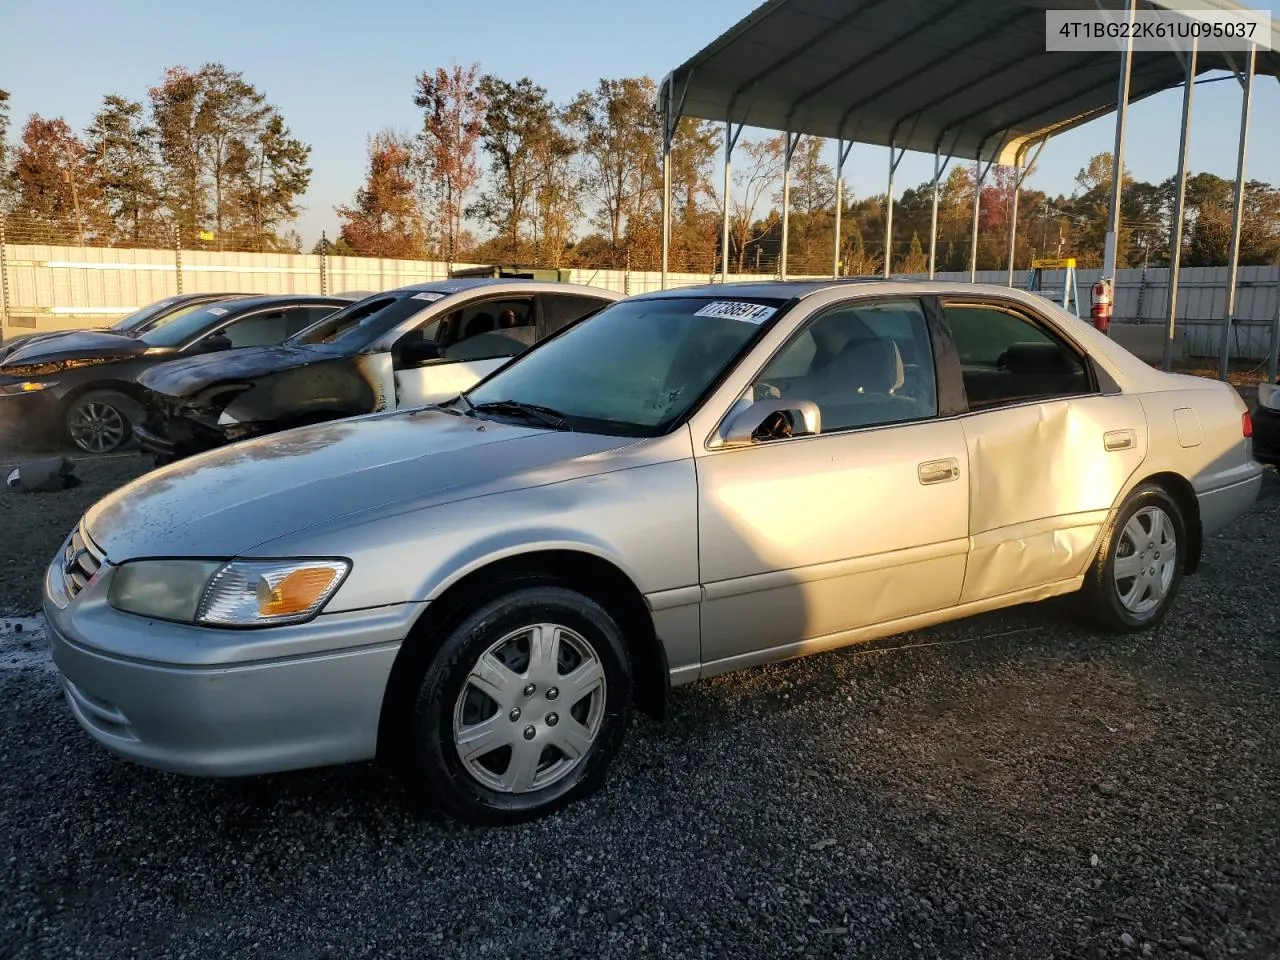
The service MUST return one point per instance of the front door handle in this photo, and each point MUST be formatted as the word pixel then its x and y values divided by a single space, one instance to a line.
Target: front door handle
pixel 939 471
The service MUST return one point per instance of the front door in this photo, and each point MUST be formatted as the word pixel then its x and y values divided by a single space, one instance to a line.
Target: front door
pixel 472 341
pixel 1048 452
pixel 807 538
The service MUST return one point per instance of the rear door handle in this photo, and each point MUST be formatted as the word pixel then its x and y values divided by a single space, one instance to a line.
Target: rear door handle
pixel 939 471
pixel 1114 440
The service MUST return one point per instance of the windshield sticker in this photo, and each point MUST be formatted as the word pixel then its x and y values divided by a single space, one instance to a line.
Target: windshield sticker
pixel 217 311
pixel 737 310
pixel 428 295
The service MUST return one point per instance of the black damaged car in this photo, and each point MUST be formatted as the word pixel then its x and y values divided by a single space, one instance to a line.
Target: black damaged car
pixel 403 348
pixel 82 386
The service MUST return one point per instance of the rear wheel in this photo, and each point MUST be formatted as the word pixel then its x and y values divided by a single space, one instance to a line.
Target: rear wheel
pixel 1138 569
pixel 100 421
pixel 522 708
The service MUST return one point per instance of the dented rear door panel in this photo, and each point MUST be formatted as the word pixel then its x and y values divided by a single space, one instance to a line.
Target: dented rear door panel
pixel 1043 478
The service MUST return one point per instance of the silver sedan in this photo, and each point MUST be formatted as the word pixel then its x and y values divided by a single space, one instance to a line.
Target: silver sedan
pixel 686 483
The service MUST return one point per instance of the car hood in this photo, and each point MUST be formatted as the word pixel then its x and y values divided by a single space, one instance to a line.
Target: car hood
pixel 75 345
pixel 13 344
pixel 225 502
pixel 182 378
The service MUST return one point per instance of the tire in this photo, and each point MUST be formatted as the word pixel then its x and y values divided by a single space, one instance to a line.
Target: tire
pixel 1128 604
pixel 532 751
pixel 101 421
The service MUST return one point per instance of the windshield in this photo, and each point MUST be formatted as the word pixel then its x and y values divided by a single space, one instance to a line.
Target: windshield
pixel 186 327
pixel 139 317
pixel 157 319
pixel 636 367
pixel 358 325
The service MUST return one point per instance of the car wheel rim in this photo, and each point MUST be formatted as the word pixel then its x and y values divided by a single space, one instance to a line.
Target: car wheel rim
pixel 530 709
pixel 96 427
pixel 1146 560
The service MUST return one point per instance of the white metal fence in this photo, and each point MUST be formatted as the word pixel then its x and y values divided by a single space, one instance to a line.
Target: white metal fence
pixel 59 287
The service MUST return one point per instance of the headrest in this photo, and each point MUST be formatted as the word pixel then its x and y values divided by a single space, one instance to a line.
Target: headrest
pixel 870 366
pixel 1036 359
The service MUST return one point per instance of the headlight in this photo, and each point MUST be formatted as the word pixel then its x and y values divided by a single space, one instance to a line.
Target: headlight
pixel 239 593
pixel 26 386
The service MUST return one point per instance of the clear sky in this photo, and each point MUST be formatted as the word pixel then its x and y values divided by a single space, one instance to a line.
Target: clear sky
pixel 340 70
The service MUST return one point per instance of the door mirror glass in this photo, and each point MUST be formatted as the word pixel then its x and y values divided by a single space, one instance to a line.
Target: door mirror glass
pixel 417 352
pixel 773 419
pixel 215 341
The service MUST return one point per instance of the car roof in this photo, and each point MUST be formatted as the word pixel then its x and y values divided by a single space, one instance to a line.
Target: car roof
pixel 775 289
pixel 466 284
pixel 254 301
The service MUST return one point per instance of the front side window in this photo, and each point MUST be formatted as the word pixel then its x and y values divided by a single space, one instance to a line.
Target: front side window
pixel 186 328
pixel 863 364
pixel 259 329
pixel 1007 358
pixel 491 328
pixel 636 367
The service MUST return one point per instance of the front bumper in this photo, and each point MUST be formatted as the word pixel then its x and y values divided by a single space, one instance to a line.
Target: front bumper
pixel 211 702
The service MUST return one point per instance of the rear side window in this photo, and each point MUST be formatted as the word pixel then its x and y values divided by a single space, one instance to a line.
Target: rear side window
pixel 1007 358
pixel 560 310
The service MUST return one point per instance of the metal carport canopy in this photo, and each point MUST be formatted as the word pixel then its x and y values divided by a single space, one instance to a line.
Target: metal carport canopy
pixel 971 78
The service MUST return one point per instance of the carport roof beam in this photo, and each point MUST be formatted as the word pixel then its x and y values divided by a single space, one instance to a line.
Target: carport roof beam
pixel 819 62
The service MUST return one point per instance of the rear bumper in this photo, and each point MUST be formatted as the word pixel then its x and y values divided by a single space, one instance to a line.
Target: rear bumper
pixel 1220 506
pixel 1266 435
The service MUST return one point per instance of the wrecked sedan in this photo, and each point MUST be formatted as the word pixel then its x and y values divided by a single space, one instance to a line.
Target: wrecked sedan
pixel 686 483
pixel 407 347
pixel 82 387
pixel 136 323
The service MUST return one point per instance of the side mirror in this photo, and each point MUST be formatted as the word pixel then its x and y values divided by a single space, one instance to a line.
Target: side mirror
pixel 215 341
pixel 771 420
pixel 417 352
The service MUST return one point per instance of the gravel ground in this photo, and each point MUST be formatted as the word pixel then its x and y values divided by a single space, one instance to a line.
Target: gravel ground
pixel 1009 786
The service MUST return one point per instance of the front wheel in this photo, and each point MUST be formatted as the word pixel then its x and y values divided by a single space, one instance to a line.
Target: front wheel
pixel 101 421
pixel 1139 565
pixel 522 708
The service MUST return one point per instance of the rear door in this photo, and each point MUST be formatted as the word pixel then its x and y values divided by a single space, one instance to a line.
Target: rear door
pixel 1049 446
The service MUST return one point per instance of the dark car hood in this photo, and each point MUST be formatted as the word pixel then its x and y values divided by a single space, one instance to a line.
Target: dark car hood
pixel 224 502
pixel 13 344
pixel 182 378
pixel 76 345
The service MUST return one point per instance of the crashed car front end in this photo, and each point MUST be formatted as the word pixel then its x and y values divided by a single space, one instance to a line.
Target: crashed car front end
pixel 178 427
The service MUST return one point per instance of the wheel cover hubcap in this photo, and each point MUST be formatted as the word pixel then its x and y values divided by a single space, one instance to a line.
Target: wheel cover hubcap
pixel 1146 560
pixel 96 427
pixel 530 709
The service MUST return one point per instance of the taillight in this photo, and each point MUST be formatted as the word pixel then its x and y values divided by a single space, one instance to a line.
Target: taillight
pixel 1246 424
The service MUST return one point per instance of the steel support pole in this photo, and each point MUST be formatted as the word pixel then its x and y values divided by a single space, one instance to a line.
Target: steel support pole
pixel 666 186
pixel 786 203
pixel 1237 214
pixel 933 215
pixel 978 177
pixel 1179 200
pixel 1013 222
pixel 888 214
pixel 835 251
pixel 1117 154
pixel 724 236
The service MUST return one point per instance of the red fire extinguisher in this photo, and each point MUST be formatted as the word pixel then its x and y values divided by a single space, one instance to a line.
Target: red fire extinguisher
pixel 1100 311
